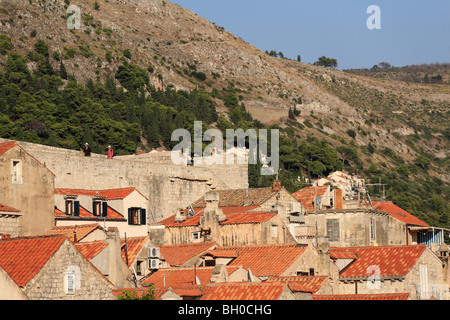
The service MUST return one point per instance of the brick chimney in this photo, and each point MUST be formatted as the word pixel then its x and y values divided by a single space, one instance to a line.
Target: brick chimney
pixel 276 186
pixel 338 199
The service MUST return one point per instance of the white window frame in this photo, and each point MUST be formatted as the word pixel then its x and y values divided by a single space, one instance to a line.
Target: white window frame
pixel 70 283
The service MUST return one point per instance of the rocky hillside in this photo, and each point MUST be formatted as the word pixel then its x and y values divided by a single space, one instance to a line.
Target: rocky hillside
pixel 400 120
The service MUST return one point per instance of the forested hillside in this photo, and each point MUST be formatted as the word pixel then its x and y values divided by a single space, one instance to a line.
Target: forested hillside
pixel 136 70
pixel 48 106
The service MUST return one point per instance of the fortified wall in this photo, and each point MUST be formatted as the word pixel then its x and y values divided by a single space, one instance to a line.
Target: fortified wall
pixel 168 187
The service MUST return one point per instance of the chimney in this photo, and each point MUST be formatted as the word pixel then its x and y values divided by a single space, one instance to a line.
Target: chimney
pixel 212 200
pixel 323 250
pixel 276 186
pixel 338 199
pixel 75 238
pixel 213 214
pixel 116 272
pixel 180 216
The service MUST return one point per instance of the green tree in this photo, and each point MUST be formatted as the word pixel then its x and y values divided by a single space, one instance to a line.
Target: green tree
pixel 326 62
pixel 133 295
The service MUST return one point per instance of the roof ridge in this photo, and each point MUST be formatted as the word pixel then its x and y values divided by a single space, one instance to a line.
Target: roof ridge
pixel 33 237
pixel 260 245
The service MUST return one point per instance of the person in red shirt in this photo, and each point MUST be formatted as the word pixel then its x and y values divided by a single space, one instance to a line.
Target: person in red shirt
pixel 110 152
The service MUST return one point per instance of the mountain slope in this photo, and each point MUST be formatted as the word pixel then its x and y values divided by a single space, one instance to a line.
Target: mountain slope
pixel 402 121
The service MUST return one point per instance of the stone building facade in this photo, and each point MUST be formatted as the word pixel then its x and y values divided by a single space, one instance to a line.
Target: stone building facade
pixel 60 271
pixel 27 185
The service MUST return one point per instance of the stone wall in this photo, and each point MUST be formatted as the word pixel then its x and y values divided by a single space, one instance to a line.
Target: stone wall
pixel 167 186
pixel 9 224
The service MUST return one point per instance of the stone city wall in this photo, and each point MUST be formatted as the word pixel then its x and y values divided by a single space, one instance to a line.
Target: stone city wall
pixel 167 186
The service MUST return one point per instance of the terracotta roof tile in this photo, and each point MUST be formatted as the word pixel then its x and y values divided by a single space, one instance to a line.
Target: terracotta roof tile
pixel 5 208
pixel 91 249
pixel 182 276
pixel 400 214
pixel 261 258
pixel 243 291
pixel 382 296
pixel 109 194
pixel 392 260
pixel 310 283
pixel 306 195
pixel 84 213
pixel 5 146
pixel 68 231
pixel 23 258
pixel 177 255
pixel 132 247
pixel 222 253
pixel 232 218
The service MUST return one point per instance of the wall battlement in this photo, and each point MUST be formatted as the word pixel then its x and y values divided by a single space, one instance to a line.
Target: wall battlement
pixel 167 186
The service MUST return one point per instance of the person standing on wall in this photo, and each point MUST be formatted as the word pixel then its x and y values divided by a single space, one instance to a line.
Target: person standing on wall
pixel 110 152
pixel 87 150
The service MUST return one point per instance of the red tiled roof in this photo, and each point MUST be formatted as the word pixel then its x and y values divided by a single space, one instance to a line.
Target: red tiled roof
pixel 266 260
pixel 8 209
pixel 222 253
pixel 177 255
pixel 84 213
pixel 307 283
pixel 381 296
pixel 190 291
pixel 5 146
pixel 400 214
pixel 306 195
pixel 23 258
pixel 182 276
pixel 343 255
pixel 132 247
pixel 91 249
pixel 243 291
pixel 81 230
pixel 248 218
pixel 232 218
pixel 109 194
pixel 391 260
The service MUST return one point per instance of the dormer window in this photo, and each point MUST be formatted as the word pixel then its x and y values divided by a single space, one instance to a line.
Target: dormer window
pixel 99 208
pixel 137 216
pixel 72 207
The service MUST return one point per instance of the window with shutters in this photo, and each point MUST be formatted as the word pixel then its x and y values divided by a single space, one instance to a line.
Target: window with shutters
pixel 137 216
pixel 100 208
pixel 333 231
pixel 72 207
pixel 69 207
pixel 96 208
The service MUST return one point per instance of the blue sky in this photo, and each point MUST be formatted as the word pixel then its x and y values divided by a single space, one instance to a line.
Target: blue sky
pixel 412 31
